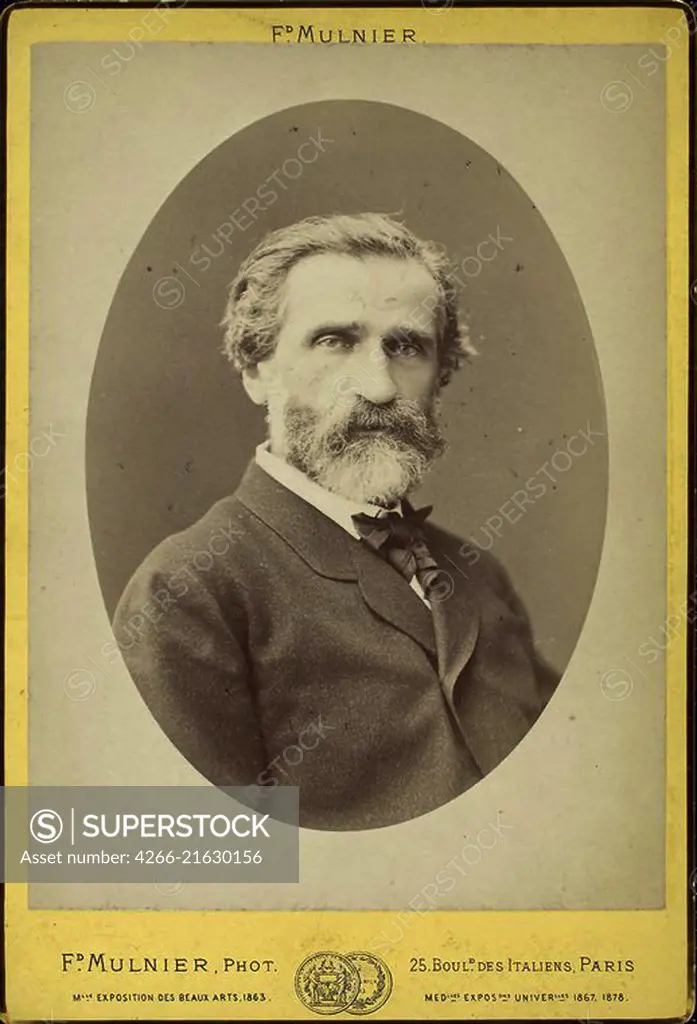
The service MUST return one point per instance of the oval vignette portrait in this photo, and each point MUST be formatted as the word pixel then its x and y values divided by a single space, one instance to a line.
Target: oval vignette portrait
pixel 260 461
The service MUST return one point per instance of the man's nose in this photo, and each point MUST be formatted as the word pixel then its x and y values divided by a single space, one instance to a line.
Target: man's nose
pixel 375 375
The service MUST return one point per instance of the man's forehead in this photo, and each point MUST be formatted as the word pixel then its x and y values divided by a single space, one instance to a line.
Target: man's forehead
pixel 332 281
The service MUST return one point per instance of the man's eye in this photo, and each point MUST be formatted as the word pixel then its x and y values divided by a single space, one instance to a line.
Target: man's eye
pixel 336 341
pixel 403 347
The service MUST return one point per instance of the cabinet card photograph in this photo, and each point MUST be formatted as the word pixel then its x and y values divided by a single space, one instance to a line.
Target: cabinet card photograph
pixel 347 452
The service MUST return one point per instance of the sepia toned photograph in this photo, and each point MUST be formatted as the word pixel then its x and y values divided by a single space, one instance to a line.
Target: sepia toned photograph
pixel 343 465
pixel 344 329
pixel 316 601
pixel 242 632
pixel 347 482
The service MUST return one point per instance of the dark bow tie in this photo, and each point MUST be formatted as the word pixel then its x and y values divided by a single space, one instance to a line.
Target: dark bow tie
pixel 400 541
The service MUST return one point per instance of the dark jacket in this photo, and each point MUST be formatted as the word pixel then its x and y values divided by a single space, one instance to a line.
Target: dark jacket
pixel 273 647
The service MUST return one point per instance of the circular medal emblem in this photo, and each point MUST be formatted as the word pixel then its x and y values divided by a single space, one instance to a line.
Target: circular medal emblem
pixel 375 983
pixel 327 983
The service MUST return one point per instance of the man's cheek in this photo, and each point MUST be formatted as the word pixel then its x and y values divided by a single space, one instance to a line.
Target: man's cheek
pixel 308 377
pixel 319 399
pixel 331 391
pixel 418 382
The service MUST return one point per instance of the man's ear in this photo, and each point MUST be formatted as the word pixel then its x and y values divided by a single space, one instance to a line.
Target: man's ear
pixel 254 381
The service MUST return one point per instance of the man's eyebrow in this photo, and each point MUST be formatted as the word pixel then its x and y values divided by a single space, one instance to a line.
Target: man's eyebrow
pixel 411 334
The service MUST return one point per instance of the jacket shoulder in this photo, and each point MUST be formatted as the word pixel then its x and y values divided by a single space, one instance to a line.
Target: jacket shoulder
pixel 217 533
pixel 201 562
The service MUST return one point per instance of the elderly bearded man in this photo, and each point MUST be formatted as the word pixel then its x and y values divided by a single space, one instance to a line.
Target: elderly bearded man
pixel 327 615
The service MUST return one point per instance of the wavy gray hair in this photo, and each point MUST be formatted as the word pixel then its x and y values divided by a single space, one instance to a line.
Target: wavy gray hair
pixel 251 319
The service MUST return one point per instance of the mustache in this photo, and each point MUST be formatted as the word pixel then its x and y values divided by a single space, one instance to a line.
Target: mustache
pixel 402 418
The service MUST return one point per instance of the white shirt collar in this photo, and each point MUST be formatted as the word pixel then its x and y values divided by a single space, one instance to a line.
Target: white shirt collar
pixel 334 506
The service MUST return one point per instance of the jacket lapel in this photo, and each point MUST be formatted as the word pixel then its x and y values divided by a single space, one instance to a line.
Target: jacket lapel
pixel 455 610
pixel 491 718
pixel 332 552
pixel 312 535
pixel 391 598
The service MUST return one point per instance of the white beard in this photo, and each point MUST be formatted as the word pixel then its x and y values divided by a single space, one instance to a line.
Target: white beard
pixel 374 468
